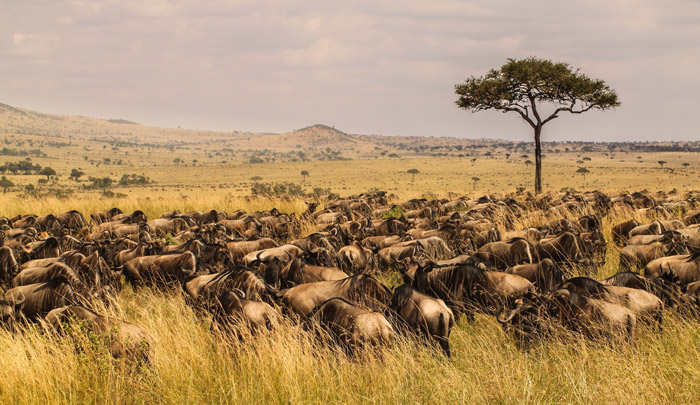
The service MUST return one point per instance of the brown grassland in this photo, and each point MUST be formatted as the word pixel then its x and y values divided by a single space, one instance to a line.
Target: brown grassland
pixel 287 365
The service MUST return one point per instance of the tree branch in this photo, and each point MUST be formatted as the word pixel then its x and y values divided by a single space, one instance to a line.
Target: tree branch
pixel 525 115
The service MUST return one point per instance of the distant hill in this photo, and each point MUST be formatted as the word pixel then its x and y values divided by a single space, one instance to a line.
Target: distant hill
pixel 316 142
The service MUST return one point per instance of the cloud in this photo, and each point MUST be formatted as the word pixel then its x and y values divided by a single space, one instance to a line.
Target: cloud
pixel 366 66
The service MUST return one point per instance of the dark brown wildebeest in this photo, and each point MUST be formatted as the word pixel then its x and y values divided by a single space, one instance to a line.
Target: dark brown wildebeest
pixel 633 257
pixel 298 272
pixel 360 288
pixel 141 249
pixel 508 253
pixel 351 326
pixel 531 317
pixel 545 275
pixel 645 305
pixel 37 299
pixel 103 216
pixel 669 292
pixel 233 313
pixel 124 339
pixel 8 265
pixel 160 270
pixel 684 269
pixel 434 247
pixel 24 221
pixel 130 217
pixel 284 253
pixel 399 256
pixel 563 249
pixel 203 289
pixel 427 316
pixel 355 259
pixel 594 246
pixel 692 217
pixel 49 223
pixel 390 226
pixel 376 243
pixel 72 220
pixel 239 250
pixel 41 249
pixel 648 239
pixel 653 228
pixel 620 232
pixel 467 289
pixel 34 275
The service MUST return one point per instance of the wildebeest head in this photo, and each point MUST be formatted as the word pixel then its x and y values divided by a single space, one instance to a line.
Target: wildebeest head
pixel 10 308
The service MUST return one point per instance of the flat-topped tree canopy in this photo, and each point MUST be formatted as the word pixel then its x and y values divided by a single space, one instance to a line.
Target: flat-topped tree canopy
pixel 525 86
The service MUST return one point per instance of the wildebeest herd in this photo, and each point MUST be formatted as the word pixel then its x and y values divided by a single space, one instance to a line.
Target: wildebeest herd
pixel 456 257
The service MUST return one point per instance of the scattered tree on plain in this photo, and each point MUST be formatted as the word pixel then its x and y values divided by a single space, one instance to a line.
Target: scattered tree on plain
pixel 583 171
pixel 475 180
pixel 6 183
pixel 304 173
pixel 75 174
pixel 525 86
pixel 48 172
pixel 413 172
pixel 662 163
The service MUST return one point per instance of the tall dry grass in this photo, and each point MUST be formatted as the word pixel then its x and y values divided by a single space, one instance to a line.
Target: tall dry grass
pixel 288 366
pixel 188 364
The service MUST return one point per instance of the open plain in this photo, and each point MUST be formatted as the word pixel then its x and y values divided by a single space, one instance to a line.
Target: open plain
pixel 287 365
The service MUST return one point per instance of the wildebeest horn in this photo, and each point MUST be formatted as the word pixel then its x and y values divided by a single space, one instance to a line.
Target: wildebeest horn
pixel 239 293
pixel 510 317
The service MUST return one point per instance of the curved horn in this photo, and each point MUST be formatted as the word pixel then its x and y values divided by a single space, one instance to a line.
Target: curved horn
pixel 506 320
pixel 239 293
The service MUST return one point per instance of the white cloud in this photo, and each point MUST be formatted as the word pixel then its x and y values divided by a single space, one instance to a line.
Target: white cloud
pixel 365 66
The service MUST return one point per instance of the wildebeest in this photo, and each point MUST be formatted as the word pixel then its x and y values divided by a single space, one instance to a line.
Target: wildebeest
pixel 160 270
pixel 298 272
pixel 351 326
pixel 620 232
pixel 355 259
pixel 37 299
pixel 563 249
pixel 508 253
pixel 638 256
pixel 684 269
pixel 544 275
pixel 360 288
pixel 466 288
pixel 239 250
pixel 532 317
pixel 233 312
pixel 669 292
pixel 653 228
pixel 427 316
pixel 124 339
pixel 643 304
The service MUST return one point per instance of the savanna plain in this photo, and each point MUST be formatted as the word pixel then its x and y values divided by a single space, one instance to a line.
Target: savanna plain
pixel 201 170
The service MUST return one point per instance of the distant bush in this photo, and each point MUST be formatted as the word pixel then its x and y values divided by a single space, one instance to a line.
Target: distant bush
pixel 133 179
pixel 277 189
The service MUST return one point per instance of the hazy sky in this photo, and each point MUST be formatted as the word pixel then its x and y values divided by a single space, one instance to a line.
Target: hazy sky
pixel 369 67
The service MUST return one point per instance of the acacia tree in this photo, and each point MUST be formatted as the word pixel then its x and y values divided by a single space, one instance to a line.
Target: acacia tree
pixel 413 172
pixel 583 171
pixel 527 86
pixel 6 183
pixel 304 173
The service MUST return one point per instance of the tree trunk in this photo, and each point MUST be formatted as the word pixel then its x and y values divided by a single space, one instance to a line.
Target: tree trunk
pixel 538 160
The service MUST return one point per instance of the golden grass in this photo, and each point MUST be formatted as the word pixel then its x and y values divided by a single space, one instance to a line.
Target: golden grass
pixel 288 366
